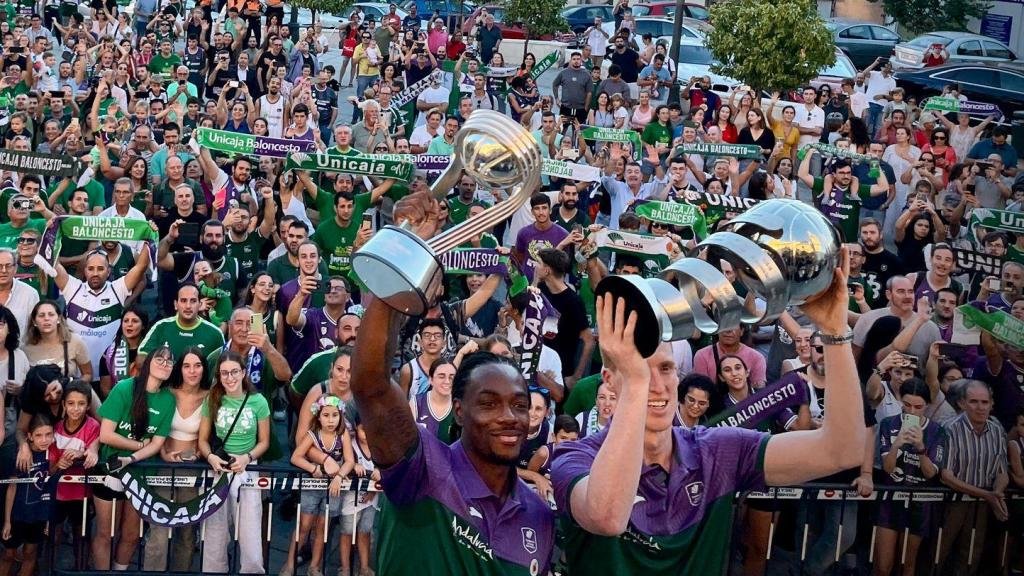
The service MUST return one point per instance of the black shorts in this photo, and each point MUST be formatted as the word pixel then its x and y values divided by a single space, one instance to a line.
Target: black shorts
pixel 102 492
pixel 71 511
pixel 25 533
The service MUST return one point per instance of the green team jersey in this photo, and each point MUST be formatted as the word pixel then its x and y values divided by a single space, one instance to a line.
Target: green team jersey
pixel 160 65
pixel 458 212
pixel 118 409
pixel 32 276
pixel 315 370
pixel 282 270
pixel 92 187
pixel 583 395
pixel 203 335
pixel 247 252
pixel 336 242
pixel 125 262
pixel 246 432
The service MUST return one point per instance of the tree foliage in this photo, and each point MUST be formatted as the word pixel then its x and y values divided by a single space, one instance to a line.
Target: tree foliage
pixel 917 16
pixel 324 6
pixel 776 45
pixel 537 17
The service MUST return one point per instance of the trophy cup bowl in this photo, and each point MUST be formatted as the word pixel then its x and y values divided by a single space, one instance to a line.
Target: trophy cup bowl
pixel 784 251
pixel 404 270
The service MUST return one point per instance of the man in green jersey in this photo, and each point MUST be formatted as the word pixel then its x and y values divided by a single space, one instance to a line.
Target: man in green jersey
pixel 186 328
pixel 336 237
pixel 460 204
pixel 245 239
pixel 611 487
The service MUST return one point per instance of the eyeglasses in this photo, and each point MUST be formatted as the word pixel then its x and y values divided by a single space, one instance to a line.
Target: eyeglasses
pixel 26 240
pixel 432 335
pixel 698 403
pixel 164 361
pixel 230 374
pixel 940 137
pixel 6 267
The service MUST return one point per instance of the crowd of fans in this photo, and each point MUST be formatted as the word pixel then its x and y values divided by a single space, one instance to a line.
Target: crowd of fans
pixel 229 342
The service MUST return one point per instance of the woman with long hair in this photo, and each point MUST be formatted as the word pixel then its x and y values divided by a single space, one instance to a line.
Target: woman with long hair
pixel 13 369
pixel 601 115
pixel 723 118
pixel 234 404
pixel 914 231
pixel 259 297
pixel 529 61
pixel 118 360
pixel 190 384
pixel 857 132
pixel 901 156
pixel 783 174
pixel 595 420
pixel 944 153
pixel 963 136
pixel 50 341
pixel 134 422
pixel 643 113
pixel 746 104
pixel 785 129
pixel 433 408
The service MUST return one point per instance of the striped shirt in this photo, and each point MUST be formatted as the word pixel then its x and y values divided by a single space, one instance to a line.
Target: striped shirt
pixel 976 459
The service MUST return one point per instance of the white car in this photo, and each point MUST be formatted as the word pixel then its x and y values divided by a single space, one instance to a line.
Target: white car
pixel 658 26
pixel 695 59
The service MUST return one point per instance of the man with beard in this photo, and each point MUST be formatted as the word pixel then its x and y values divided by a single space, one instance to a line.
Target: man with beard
pixel 243 245
pixel 326 101
pixel 314 328
pixel 338 237
pixel 565 212
pixel 460 203
pixel 629 63
pixel 945 306
pixel 927 284
pixel 841 203
pixel 879 263
pixel 699 92
pixel 317 367
pixel 184 329
pixel 1011 280
pixel 644 496
pixel 875 205
pixel 285 268
pixel 273 107
pixel 226 188
pixel 465 499
pixel 899 291
pixel 211 249
pixel 95 307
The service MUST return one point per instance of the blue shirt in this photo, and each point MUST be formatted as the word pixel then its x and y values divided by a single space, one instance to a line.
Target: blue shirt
pixel 983 148
pixel 662 75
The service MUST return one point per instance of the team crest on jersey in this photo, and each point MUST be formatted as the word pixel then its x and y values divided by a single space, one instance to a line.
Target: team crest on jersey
pixel 695 492
pixel 529 539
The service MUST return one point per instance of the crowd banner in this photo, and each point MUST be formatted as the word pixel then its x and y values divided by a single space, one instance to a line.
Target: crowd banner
pixel 750 151
pixel 673 214
pixel 975 262
pixel 789 391
pixel 162 512
pixel 49 165
pixel 542 66
pixel 996 322
pixel 95 228
pixel 1005 220
pixel 403 104
pixel 570 170
pixel 653 251
pixel 466 261
pixel 362 165
pixel 249 145
pixel 719 204
pixel 830 150
pixel 614 135
pixel 941 104
pixel 540 319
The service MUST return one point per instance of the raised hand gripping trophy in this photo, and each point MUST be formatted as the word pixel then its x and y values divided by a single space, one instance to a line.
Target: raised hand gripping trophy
pixel 784 251
pixel 402 269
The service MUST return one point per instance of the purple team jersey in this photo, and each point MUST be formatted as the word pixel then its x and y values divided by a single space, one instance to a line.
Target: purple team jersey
pixel 530 240
pixel 318 334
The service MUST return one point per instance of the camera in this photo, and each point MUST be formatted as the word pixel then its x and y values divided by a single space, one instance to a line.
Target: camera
pixel 23 204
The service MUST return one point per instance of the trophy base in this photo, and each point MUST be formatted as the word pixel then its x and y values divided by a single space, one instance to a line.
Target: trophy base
pixel 400 268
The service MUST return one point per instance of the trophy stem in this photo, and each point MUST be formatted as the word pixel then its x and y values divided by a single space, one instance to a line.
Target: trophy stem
pixel 485 220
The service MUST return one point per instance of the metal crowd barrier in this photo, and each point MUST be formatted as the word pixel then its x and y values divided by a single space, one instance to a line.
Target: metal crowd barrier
pixel 278 482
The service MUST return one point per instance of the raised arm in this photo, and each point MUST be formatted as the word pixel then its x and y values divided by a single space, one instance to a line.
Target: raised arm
pixel 839 443
pixel 384 409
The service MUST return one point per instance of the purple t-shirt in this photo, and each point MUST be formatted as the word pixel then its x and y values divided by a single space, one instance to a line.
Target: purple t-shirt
pixel 518 530
pixel 318 334
pixel 908 463
pixel 708 463
pixel 530 240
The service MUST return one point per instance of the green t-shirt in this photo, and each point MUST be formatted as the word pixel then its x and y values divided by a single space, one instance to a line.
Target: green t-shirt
pixel 654 133
pixel 32 276
pixel 458 211
pixel 282 270
pixel 92 187
pixel 315 370
pixel 203 335
pixel 5 202
pixel 583 395
pixel 9 233
pixel 439 147
pixel 160 65
pixel 246 432
pixel 336 242
pixel 247 252
pixel 118 409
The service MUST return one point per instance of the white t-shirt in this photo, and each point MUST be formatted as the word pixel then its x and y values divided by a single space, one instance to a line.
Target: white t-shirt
pixel 597 41
pixel 21 301
pixel 133 214
pixel 815 118
pixel 420 136
pixel 431 95
pixel 273 113
pixel 879 84
pixel 95 316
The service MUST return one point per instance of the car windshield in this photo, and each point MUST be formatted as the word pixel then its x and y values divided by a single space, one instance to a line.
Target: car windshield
pixel 927 40
pixel 695 55
pixel 841 69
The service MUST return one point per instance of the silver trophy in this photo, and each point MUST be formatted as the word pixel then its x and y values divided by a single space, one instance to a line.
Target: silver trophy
pixel 404 270
pixel 784 251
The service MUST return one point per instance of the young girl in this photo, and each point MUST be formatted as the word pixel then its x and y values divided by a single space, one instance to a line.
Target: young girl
pixel 78 436
pixel 361 504
pixel 27 506
pixel 327 438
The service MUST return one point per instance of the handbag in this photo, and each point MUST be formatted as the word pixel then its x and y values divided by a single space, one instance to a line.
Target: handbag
pixel 216 443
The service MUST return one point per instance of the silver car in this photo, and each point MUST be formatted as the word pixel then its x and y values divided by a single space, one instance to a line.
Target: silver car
pixel 961 47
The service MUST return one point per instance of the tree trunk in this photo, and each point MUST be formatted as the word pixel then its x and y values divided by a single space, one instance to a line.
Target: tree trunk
pixel 526 45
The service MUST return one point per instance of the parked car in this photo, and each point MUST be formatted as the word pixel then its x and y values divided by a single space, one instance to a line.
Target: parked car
pixel 658 26
pixel 453 12
pixel 695 59
pixel 376 9
pixel 513 30
pixel 582 16
pixel 668 8
pixel 863 41
pixel 961 46
pixel 999 84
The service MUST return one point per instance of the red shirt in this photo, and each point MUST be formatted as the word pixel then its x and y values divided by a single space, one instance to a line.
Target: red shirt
pixel 454 48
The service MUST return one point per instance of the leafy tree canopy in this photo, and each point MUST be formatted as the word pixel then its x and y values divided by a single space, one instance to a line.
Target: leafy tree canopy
pixel 918 16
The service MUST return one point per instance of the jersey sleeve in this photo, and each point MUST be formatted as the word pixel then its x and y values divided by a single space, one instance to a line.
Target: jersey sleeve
pixel 410 479
pixel 571 462
pixel 152 339
pixel 259 406
pixel 738 456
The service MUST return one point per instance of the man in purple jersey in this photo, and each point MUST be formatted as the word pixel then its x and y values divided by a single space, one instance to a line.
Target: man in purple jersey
pixel 645 496
pixel 315 327
pixel 543 233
